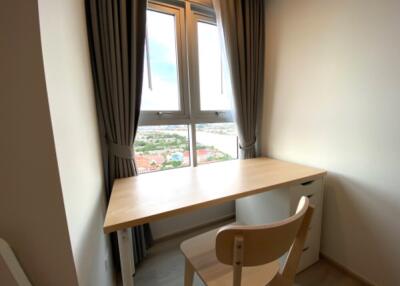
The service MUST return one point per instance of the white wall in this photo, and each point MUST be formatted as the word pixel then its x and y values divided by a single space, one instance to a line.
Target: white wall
pixel 32 215
pixel 187 221
pixel 73 115
pixel 332 100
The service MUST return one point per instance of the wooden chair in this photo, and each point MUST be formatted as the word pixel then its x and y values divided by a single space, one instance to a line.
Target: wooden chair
pixel 248 255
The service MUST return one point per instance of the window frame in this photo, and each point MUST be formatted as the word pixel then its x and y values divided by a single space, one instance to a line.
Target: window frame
pixel 157 117
pixel 200 116
pixel 187 14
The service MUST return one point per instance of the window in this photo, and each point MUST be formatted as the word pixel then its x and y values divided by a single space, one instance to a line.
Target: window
pixel 186 116
pixel 161 147
pixel 216 142
pixel 160 77
pixel 213 87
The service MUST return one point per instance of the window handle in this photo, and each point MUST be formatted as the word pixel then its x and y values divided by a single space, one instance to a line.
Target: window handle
pixel 307 183
pixel 220 113
pixel 164 112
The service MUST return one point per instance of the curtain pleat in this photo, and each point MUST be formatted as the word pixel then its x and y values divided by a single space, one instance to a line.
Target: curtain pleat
pixel 241 23
pixel 116 32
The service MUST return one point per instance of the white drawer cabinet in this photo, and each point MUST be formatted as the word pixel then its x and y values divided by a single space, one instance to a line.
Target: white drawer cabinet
pixel 279 204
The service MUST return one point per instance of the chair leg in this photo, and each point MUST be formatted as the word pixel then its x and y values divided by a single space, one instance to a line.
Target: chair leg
pixel 189 273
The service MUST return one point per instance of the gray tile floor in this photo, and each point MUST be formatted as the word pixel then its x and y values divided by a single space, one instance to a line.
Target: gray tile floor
pixel 165 265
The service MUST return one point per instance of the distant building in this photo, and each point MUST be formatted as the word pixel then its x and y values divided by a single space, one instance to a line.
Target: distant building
pixel 148 163
pixel 176 157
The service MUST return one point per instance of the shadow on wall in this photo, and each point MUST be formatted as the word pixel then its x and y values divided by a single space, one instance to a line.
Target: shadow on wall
pixel 272 43
pixel 93 241
pixel 351 127
pixel 351 209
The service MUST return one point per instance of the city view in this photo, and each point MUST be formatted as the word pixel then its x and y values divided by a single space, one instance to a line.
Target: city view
pixel 167 146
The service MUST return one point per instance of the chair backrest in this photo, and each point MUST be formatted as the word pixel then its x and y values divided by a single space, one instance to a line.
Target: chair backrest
pixel 261 244
pixel 11 272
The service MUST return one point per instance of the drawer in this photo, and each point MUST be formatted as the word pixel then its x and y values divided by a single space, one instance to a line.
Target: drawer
pixel 311 248
pixel 313 236
pixel 310 189
pixel 310 253
pixel 313 190
pixel 309 257
pixel 316 219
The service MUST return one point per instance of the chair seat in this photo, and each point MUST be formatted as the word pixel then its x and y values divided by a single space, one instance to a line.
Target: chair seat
pixel 200 251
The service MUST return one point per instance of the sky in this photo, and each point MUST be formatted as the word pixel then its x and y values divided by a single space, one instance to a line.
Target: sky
pixel 164 94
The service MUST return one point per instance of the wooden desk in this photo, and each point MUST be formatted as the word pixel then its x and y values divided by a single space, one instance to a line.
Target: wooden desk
pixel 150 197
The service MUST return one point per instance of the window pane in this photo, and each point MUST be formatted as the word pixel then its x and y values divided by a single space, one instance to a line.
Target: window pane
pixel 161 148
pixel 160 74
pixel 213 82
pixel 216 142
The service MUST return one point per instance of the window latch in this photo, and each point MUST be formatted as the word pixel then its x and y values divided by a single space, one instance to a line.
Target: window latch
pixel 164 112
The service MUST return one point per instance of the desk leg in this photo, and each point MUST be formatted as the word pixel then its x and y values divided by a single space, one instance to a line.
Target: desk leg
pixel 126 256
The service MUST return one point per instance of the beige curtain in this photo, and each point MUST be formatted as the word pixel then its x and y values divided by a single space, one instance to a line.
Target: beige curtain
pixel 242 28
pixel 116 32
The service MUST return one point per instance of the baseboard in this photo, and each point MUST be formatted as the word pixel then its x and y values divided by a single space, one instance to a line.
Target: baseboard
pixel 346 269
pixel 209 223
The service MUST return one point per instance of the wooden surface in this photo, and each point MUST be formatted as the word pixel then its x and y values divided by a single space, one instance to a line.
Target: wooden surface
pixel 296 251
pixel 189 274
pixel 153 196
pixel 11 272
pixel 164 266
pixel 200 251
pixel 262 243
pixel 210 254
pixel 350 273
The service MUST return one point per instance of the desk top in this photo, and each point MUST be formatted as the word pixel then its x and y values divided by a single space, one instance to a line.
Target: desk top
pixel 153 196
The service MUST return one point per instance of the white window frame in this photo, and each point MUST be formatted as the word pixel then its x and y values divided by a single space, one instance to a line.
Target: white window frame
pixel 187 14
pixel 204 15
pixel 157 117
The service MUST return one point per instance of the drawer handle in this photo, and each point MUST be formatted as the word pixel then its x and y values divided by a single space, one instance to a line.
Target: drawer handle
pixel 307 183
pixel 310 196
pixel 305 249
